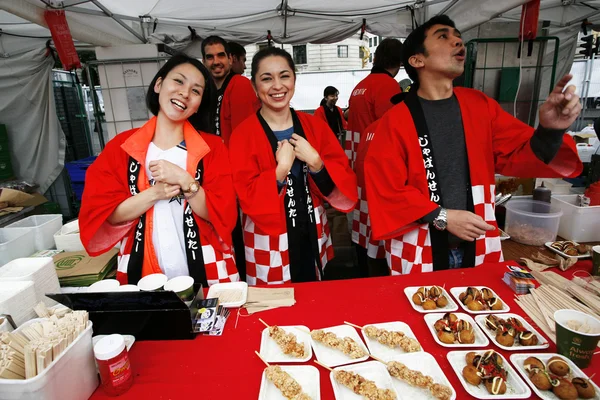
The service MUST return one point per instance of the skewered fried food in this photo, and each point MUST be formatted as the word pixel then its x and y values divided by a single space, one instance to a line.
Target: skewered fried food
pixel 446 336
pixel 429 305
pixel 393 339
pixel 496 385
pixel 450 317
pixel 541 379
pixel 558 366
pixel 346 345
pixel 418 298
pixel 486 294
pixel 450 329
pixel 527 338
pixel 510 331
pixel 492 322
pixel 435 291
pixel 362 386
pixel 564 390
pixel 285 383
pixel 287 342
pixel 466 336
pixel 585 390
pixel 475 305
pixel 470 357
pixel 477 300
pixel 505 339
pixel 471 375
pixel 442 301
pixel 533 363
pixel 430 298
pixel 418 379
pixel 486 368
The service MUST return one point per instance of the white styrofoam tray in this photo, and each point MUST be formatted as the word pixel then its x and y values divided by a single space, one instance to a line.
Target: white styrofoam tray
pixel 519 359
pixel 515 387
pixel 40 270
pixel 332 357
pixel 565 255
pixel 542 342
pixel 271 352
pixel 456 291
pixel 411 290
pixel 480 339
pixel 371 370
pixel 382 351
pixel 306 375
pixel 214 290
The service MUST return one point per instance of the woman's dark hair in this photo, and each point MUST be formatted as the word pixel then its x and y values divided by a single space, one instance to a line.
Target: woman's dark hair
pixel 388 54
pixel 268 52
pixel 415 44
pixel 202 120
pixel 329 91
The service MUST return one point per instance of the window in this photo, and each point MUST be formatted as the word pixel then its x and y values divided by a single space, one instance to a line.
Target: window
pixel 299 53
pixel 370 42
pixel 375 41
pixel 262 46
pixel 361 52
pixel 371 57
pixel 342 51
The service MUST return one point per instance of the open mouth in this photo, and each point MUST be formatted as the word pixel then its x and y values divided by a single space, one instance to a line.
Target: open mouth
pixel 461 54
pixel 179 104
pixel 278 96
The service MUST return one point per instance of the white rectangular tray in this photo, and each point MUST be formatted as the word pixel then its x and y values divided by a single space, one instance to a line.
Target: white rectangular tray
pixel 515 387
pixel 214 290
pixel 480 339
pixel 518 359
pixel 371 370
pixel 382 351
pixel 549 246
pixel 271 352
pixel 456 291
pixel 426 364
pixel 542 342
pixel 306 375
pixel 332 357
pixel 411 290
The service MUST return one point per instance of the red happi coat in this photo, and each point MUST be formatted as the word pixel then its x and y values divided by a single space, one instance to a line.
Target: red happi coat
pixel 361 223
pixel 320 113
pixel 369 100
pixel 239 102
pixel 264 221
pixel 107 186
pixel 395 176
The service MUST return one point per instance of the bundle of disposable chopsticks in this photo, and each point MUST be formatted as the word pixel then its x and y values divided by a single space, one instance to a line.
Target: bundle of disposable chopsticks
pixel 554 294
pixel 27 353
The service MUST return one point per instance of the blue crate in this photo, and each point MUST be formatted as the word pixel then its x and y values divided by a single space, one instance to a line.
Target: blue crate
pixel 77 190
pixel 77 169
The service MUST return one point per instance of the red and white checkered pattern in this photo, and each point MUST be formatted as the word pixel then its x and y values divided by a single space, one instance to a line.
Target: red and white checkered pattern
pixel 361 228
pixel 412 251
pixel 267 257
pixel 351 146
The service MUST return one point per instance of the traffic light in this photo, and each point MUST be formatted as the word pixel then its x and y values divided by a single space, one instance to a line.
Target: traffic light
pixel 588 46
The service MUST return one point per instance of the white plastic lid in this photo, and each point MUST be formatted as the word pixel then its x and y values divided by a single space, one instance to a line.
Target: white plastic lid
pixel 109 347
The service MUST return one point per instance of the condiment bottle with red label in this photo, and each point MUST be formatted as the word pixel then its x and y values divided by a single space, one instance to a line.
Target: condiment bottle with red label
pixel 113 364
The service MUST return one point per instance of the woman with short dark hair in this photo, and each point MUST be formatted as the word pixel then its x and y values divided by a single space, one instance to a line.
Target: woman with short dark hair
pixel 164 190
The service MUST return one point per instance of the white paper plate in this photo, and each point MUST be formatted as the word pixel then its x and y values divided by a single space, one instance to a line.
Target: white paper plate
pixel 542 342
pixel 519 359
pixel 382 351
pixel 271 352
pixel 214 290
pixel 515 387
pixel 549 246
pixel 480 339
pixel 372 370
pixel 306 375
pixel 332 357
pixel 456 291
pixel 426 364
pixel 411 290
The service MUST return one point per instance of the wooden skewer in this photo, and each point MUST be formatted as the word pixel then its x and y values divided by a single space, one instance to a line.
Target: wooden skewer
pixel 592 377
pixel 323 365
pixel 377 359
pixel 267 325
pixel 351 324
pixel 262 359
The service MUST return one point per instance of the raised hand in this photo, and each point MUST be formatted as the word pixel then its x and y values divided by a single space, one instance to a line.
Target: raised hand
pixel 305 152
pixel 561 107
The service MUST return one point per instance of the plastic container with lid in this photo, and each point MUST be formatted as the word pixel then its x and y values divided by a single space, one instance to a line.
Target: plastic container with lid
pixel 113 364
pixel 532 222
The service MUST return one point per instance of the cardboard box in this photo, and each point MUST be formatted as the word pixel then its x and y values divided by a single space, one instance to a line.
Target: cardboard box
pixel 77 268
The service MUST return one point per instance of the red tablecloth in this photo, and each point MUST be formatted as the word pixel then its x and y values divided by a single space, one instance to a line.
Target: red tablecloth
pixel 226 367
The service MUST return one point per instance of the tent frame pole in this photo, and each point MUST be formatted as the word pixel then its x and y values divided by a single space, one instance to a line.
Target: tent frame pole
pixel 118 21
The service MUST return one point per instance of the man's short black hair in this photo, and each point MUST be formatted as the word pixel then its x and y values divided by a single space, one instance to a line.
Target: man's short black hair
pixel 215 40
pixel 415 43
pixel 388 54
pixel 237 49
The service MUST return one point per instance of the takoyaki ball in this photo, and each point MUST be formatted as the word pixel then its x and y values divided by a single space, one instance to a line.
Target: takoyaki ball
pixel 491 321
pixel 435 291
pixel 475 305
pixel 463 325
pixel 584 388
pixel 418 298
pixel 471 375
pixel 429 305
pixel 450 317
pixel 528 338
pixel 505 339
pixel 470 357
pixel 495 385
pixel 540 379
pixel 423 290
pixel 533 363
pixel 582 249
pixel 491 355
pixel 495 304
pixel 565 390
pixel 467 299
pixel 558 366
pixel 486 294
pixel 440 324
pixel 446 336
pixel 466 336
pixel 442 301
pixel 474 292
pixel 571 251
pixel 515 322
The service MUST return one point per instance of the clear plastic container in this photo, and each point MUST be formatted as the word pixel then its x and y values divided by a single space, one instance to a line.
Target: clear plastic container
pixel 532 222
pixel 580 224
pixel 15 243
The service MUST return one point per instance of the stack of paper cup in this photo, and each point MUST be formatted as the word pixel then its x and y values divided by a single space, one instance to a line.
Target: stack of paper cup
pixel 18 300
pixel 40 271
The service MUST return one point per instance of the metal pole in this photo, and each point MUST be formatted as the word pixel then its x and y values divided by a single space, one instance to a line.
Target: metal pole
pixel 96 108
pixel 118 21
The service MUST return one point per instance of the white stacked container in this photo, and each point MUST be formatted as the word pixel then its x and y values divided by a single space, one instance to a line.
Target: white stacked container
pixel 68 237
pixel 44 227
pixel 15 243
pixel 40 271
pixel 18 300
pixel 580 224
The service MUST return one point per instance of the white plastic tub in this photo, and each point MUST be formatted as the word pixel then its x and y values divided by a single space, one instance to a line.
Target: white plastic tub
pixel 44 227
pixel 68 238
pixel 39 270
pixel 15 243
pixel 72 376
pixel 580 224
pixel 532 222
